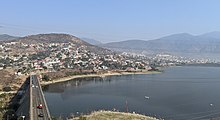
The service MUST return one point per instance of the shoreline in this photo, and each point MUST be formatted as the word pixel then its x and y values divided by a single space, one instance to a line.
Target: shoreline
pixel 58 80
pixel 9 92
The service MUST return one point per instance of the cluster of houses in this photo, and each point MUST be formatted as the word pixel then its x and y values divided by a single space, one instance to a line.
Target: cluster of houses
pixel 51 57
pixel 56 56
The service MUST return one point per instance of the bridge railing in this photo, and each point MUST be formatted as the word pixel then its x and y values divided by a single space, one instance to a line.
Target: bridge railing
pixel 41 92
pixel 31 100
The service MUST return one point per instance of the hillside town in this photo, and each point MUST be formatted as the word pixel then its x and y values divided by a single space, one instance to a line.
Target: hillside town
pixel 57 60
pixel 52 57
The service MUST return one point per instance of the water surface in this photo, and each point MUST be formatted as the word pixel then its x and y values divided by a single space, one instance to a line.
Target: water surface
pixel 177 93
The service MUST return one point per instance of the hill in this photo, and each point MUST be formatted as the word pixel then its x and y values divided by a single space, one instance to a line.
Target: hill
pixel 215 34
pixel 51 38
pixel 58 39
pixel 5 37
pixel 181 43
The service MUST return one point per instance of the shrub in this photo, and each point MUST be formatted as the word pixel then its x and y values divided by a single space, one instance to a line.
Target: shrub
pixel 82 118
pixel 7 89
pixel 45 78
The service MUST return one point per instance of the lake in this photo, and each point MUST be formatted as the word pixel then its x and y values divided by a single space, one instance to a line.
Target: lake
pixel 178 93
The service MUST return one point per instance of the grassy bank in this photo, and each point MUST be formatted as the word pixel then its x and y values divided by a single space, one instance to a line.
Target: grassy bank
pixel 110 115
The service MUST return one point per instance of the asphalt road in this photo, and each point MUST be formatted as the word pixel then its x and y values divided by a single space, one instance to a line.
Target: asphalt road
pixel 37 99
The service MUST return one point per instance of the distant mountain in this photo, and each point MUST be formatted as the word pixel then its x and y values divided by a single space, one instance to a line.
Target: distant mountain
pixel 61 38
pixel 181 43
pixel 129 44
pixel 5 37
pixel 92 41
pixel 215 34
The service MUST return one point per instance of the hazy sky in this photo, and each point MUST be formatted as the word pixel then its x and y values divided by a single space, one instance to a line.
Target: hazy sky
pixel 109 20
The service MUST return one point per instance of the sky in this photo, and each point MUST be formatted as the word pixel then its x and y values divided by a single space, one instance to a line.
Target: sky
pixel 109 20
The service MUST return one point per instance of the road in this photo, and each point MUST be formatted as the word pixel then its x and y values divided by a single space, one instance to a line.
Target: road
pixel 37 99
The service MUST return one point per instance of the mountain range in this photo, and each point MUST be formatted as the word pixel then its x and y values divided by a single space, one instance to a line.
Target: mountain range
pixel 176 43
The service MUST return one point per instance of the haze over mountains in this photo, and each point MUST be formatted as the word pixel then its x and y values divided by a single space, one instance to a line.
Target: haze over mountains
pixel 176 43
pixel 91 41
pixel 5 37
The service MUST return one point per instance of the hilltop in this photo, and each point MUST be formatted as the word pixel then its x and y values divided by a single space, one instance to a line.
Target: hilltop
pixel 28 44
pixel 51 38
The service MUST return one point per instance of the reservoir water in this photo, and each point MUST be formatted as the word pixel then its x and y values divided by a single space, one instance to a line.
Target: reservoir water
pixel 178 93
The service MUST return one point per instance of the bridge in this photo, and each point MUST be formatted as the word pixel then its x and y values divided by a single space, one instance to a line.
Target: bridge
pixel 29 104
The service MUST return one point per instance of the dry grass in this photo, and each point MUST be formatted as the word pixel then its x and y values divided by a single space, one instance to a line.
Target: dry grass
pixel 8 78
pixel 109 115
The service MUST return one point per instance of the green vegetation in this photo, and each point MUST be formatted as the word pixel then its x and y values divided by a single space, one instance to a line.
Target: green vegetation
pixel 73 73
pixel 7 61
pixel 40 55
pixel 45 78
pixel 6 89
pixel 5 109
pixel 56 118
pixel 82 118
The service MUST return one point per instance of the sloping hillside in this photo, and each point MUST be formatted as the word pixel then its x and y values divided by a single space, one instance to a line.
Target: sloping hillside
pixel 46 39
pixel 5 37
pixel 182 43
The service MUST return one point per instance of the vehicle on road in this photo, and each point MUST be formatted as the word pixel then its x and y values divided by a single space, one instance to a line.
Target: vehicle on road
pixel 40 106
pixel 41 115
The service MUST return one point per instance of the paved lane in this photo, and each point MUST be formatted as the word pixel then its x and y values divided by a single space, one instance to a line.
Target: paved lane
pixel 37 99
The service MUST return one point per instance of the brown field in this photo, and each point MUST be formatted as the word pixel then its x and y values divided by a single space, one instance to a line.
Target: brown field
pixel 8 78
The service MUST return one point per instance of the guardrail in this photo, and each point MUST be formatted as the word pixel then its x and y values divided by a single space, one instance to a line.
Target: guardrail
pixel 41 91
pixel 31 99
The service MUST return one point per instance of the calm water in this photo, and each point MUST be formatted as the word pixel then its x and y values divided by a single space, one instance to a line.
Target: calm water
pixel 178 93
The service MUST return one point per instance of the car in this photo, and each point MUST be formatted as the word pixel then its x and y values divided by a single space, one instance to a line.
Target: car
pixel 22 117
pixel 32 85
pixel 41 115
pixel 40 106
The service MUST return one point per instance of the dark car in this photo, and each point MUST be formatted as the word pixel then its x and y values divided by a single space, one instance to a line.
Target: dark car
pixel 41 115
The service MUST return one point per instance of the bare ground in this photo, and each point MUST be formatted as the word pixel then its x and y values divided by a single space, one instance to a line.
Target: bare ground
pixel 110 115
pixel 8 78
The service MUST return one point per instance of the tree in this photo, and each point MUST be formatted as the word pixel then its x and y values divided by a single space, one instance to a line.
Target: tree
pixel 44 67
pixel 7 89
pixel 45 78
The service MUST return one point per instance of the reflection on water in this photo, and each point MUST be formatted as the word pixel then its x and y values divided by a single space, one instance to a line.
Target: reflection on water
pixel 60 87
pixel 178 93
